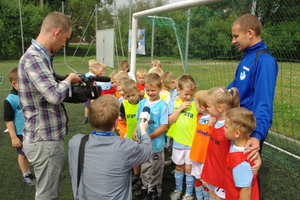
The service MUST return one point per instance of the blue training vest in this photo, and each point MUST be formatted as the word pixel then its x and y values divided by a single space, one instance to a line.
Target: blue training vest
pixel 18 119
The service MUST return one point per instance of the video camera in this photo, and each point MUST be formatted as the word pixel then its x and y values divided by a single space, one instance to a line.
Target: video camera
pixel 85 90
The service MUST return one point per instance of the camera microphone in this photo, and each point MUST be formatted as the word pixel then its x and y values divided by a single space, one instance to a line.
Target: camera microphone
pixel 145 114
pixel 101 78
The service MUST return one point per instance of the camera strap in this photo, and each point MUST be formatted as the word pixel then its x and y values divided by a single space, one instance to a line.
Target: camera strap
pixel 83 141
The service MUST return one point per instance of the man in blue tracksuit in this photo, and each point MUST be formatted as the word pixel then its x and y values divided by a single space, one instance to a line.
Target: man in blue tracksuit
pixel 255 77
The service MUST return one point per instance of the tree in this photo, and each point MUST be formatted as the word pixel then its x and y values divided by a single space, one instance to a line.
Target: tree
pixel 10 40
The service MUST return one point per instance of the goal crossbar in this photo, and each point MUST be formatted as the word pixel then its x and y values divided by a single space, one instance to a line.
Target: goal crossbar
pixel 159 10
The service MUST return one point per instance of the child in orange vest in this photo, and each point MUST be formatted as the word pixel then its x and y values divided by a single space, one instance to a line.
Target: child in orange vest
pixel 200 143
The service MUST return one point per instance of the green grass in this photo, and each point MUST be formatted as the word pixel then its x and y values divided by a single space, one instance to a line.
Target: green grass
pixel 279 174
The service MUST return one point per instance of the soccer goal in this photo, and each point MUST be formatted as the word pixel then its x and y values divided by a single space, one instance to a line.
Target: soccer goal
pixel 194 37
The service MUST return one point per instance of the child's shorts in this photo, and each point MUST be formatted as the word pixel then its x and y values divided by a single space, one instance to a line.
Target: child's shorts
pixel 197 169
pixel 220 192
pixel 181 156
pixel 20 150
pixel 88 103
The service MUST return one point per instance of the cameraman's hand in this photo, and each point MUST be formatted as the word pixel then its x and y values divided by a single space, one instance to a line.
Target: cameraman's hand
pixel 73 78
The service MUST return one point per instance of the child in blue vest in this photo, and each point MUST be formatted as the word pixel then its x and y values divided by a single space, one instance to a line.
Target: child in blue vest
pixel 152 170
pixel 14 122
pixel 183 121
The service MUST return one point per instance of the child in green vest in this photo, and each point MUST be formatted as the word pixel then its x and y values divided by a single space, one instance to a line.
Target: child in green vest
pixel 128 111
pixel 183 121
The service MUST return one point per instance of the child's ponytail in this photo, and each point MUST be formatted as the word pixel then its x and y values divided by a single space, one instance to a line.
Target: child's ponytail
pixel 228 98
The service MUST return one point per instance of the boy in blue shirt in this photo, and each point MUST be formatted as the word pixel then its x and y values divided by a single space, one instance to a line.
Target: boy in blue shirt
pixel 152 170
pixel 14 122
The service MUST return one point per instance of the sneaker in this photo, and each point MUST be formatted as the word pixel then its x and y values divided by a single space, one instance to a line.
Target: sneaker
pixel 175 195
pixel 187 197
pixel 30 179
pixel 151 195
pixel 85 121
pixel 137 186
pixel 141 193
pixel 168 162
pixel 135 179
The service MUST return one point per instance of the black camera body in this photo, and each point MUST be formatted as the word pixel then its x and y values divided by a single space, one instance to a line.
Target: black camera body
pixel 85 90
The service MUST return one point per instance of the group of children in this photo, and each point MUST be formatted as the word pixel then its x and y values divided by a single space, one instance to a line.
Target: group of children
pixel 208 128
pixel 203 144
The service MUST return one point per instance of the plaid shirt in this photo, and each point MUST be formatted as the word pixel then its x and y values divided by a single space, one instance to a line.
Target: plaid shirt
pixel 41 96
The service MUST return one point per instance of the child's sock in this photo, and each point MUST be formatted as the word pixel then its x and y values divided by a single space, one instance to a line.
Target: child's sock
pixel 205 193
pixel 26 173
pixel 190 181
pixel 178 180
pixel 199 189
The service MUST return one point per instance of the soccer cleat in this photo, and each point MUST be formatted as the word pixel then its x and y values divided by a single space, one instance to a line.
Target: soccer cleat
pixel 137 186
pixel 85 121
pixel 30 179
pixel 141 193
pixel 135 179
pixel 175 195
pixel 187 197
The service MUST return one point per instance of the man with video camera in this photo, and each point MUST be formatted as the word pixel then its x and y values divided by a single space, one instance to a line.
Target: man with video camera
pixel 41 99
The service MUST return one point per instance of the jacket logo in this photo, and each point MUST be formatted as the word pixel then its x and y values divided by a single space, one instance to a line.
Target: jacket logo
pixel 246 68
pixel 243 75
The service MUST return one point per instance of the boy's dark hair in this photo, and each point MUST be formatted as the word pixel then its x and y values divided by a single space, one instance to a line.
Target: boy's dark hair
pixel 13 74
pixel 153 79
pixel 104 112
pixel 242 119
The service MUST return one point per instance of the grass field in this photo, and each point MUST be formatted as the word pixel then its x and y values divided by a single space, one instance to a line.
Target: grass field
pixel 279 174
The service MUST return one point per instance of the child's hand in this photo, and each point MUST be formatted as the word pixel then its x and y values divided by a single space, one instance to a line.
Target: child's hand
pixel 135 137
pixel 211 122
pixel 141 93
pixel 257 163
pixel 184 105
pixel 16 142
pixel 203 182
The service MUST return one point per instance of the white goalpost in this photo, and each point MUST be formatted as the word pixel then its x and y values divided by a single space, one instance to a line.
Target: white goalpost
pixel 159 10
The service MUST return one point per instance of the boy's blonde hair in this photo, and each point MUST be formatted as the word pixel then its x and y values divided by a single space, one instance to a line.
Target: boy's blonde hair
pixel 104 112
pixel 156 62
pixel 157 71
pixel 99 67
pixel 124 64
pixel 221 96
pixel 112 74
pixel 187 81
pixel 120 81
pixel 242 119
pixel 168 77
pixel 92 62
pixel 120 74
pixel 200 97
pixel 129 86
pixel 13 74
pixel 153 79
pixel 141 71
